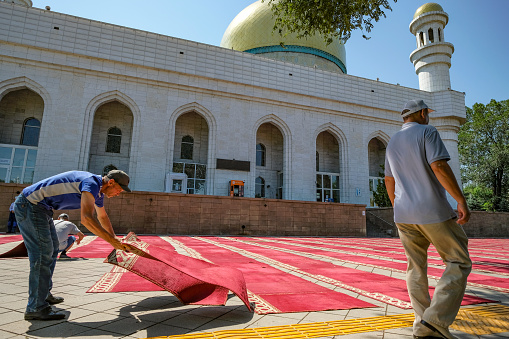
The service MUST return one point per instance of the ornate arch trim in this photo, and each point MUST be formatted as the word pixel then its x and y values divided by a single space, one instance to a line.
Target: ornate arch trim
pixel 88 123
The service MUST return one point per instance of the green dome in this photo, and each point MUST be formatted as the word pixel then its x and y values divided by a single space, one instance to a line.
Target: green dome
pixel 252 31
pixel 429 7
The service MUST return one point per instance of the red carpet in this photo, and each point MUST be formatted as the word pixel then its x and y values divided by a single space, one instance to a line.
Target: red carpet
pixel 10 238
pixel 478 280
pixel 277 291
pixel 191 280
pixel 377 286
pixel 481 263
pixel 121 280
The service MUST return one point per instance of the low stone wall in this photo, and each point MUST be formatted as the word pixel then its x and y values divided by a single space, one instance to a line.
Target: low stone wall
pixel 488 225
pixel 163 213
pixel 482 224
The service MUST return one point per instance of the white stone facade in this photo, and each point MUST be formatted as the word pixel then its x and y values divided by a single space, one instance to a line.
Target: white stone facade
pixel 92 76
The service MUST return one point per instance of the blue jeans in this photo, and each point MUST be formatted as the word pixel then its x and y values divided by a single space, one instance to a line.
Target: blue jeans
pixel 11 224
pixel 36 226
pixel 70 240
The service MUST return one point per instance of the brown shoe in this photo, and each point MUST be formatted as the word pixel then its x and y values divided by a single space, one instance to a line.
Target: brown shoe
pixel 44 314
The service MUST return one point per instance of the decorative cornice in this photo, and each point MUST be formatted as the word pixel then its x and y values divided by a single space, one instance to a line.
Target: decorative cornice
pixel 299 49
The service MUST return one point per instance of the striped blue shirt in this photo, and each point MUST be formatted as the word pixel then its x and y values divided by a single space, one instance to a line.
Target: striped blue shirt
pixel 63 191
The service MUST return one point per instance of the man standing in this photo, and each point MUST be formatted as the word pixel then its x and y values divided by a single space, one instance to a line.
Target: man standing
pixel 64 229
pixel 416 176
pixel 34 213
pixel 11 223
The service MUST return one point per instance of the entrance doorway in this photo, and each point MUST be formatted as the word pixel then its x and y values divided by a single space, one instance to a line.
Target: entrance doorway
pixel 327 187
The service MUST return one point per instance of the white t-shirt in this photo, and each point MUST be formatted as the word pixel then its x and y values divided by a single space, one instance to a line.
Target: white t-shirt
pixel 64 228
pixel 419 196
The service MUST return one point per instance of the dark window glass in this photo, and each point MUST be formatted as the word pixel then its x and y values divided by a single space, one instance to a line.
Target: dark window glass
pixel 317 162
pixel 201 171
pixel 260 188
pixel 186 148
pixel 189 170
pixel 260 155
pixel 430 35
pixel 114 140
pixel 178 167
pixel 30 135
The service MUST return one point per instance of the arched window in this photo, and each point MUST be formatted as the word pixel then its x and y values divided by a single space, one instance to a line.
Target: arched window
pixel 108 168
pixel 439 35
pixel 430 35
pixel 317 161
pixel 260 188
pixel 31 130
pixel 114 140
pixel 421 38
pixel 186 148
pixel 260 155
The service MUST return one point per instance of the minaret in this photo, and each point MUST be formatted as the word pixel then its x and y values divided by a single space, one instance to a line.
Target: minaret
pixel 26 3
pixel 432 58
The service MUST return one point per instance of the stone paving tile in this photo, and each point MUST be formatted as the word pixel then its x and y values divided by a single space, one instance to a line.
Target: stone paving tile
pixel 158 330
pixel 272 321
pixel 97 334
pixel 313 317
pixel 188 321
pixel 79 313
pixel 64 329
pixel 157 316
pixel 22 326
pixel 220 325
pixel 212 311
pixel 127 326
pixel 240 315
pixel 10 317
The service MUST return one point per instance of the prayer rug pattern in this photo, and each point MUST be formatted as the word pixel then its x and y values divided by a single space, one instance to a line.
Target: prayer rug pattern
pixel 192 281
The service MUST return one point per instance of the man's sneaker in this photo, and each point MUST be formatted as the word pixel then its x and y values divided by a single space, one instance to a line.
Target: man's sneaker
pixel 64 256
pixel 44 314
pixel 54 300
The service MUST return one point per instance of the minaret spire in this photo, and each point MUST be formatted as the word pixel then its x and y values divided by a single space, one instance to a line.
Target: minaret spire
pixel 432 58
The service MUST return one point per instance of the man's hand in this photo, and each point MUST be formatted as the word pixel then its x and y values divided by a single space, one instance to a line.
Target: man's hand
pixel 445 175
pixel 123 246
pixel 463 214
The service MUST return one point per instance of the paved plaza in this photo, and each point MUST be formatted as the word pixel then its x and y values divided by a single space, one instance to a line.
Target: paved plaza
pixel 160 314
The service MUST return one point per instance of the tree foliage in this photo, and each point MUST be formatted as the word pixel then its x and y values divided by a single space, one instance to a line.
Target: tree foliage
pixel 330 18
pixel 484 155
pixel 380 195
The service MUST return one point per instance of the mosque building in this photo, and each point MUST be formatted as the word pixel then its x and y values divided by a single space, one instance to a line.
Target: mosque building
pixel 253 116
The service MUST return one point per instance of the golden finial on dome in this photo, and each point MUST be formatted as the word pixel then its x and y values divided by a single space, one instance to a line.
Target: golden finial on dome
pixel 429 7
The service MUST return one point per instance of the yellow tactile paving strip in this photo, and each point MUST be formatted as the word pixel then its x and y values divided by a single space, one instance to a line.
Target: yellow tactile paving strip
pixel 483 320
pixel 475 320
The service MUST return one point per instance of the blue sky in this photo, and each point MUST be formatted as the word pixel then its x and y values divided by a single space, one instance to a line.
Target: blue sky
pixel 477 28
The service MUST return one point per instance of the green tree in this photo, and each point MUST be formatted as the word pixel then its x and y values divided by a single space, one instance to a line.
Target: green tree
pixel 484 155
pixel 380 195
pixel 330 18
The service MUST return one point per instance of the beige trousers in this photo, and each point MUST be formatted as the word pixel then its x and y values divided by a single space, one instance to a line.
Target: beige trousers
pixel 451 243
